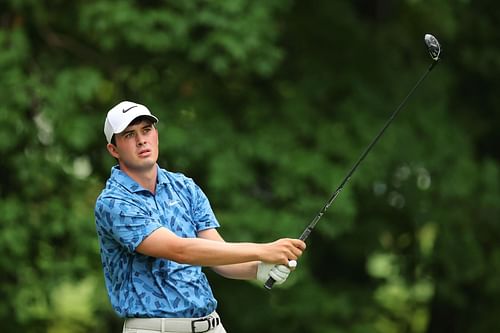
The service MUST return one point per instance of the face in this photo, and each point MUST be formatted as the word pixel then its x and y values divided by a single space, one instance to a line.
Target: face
pixel 136 147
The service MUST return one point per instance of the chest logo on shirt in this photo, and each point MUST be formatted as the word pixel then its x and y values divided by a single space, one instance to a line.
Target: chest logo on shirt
pixel 171 203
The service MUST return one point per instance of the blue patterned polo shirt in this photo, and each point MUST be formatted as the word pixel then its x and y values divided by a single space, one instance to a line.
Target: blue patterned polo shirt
pixel 143 286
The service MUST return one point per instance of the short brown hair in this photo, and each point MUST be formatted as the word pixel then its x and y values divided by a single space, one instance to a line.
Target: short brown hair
pixel 135 122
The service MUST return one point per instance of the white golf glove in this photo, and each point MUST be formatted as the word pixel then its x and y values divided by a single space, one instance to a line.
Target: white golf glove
pixel 278 272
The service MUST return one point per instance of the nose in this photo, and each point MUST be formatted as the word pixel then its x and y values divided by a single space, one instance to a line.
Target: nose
pixel 140 140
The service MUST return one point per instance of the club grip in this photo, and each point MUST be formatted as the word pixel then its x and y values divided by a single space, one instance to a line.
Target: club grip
pixel 269 283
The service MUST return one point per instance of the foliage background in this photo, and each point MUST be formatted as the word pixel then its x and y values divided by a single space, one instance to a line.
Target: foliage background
pixel 266 104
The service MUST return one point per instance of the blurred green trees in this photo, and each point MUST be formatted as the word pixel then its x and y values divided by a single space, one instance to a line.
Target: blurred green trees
pixel 266 105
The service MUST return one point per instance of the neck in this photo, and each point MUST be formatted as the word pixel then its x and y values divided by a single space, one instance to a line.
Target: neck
pixel 145 178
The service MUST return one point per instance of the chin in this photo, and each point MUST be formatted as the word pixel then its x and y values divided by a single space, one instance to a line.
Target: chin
pixel 148 164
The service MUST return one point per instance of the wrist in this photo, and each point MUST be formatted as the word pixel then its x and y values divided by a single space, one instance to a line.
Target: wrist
pixel 260 252
pixel 255 269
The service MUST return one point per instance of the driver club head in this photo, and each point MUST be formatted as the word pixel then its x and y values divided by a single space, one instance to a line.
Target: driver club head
pixel 433 46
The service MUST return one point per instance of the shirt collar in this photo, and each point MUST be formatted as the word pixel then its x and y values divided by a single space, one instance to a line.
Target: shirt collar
pixel 161 177
pixel 122 178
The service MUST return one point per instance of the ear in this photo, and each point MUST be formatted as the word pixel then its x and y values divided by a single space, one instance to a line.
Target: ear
pixel 113 150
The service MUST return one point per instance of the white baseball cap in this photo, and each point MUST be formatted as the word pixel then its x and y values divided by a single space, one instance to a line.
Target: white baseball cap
pixel 121 115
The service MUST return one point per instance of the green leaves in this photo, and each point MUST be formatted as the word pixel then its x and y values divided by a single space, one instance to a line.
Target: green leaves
pixel 266 105
pixel 225 36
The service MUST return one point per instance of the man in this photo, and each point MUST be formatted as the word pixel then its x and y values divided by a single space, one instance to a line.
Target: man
pixel 156 230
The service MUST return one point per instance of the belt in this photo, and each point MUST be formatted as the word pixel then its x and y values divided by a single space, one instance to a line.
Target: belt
pixel 185 325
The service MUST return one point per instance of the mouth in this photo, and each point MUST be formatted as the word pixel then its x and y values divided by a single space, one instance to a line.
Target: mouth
pixel 144 153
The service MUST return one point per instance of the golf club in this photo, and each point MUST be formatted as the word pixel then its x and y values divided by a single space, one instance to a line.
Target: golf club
pixel 435 51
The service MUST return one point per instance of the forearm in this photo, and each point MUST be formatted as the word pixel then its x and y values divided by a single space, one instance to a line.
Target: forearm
pixel 198 251
pixel 244 271
pixel 203 252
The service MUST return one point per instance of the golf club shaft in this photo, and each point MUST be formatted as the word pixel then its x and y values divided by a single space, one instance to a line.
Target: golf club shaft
pixel 307 231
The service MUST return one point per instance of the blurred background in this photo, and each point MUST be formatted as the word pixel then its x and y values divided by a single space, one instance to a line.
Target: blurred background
pixel 266 104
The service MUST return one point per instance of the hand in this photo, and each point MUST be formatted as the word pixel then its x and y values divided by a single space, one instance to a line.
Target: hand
pixel 279 273
pixel 281 251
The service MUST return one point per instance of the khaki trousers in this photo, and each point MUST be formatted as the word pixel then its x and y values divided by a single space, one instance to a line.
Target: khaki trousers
pixel 218 329
pixel 210 324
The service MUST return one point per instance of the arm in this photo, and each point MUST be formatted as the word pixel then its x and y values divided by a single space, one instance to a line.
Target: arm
pixel 243 271
pixel 248 270
pixel 212 252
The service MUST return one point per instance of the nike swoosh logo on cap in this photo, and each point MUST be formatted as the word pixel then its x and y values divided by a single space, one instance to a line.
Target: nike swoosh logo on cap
pixel 126 110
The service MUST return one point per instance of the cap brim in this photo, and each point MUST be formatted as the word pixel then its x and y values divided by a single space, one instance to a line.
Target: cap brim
pixel 122 128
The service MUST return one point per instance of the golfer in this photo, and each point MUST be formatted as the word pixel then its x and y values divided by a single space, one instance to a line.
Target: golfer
pixel 156 231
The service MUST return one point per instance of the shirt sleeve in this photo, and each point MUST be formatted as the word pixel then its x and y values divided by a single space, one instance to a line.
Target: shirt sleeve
pixel 204 216
pixel 125 222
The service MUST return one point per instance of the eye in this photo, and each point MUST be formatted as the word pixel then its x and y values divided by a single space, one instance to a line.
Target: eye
pixel 129 135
